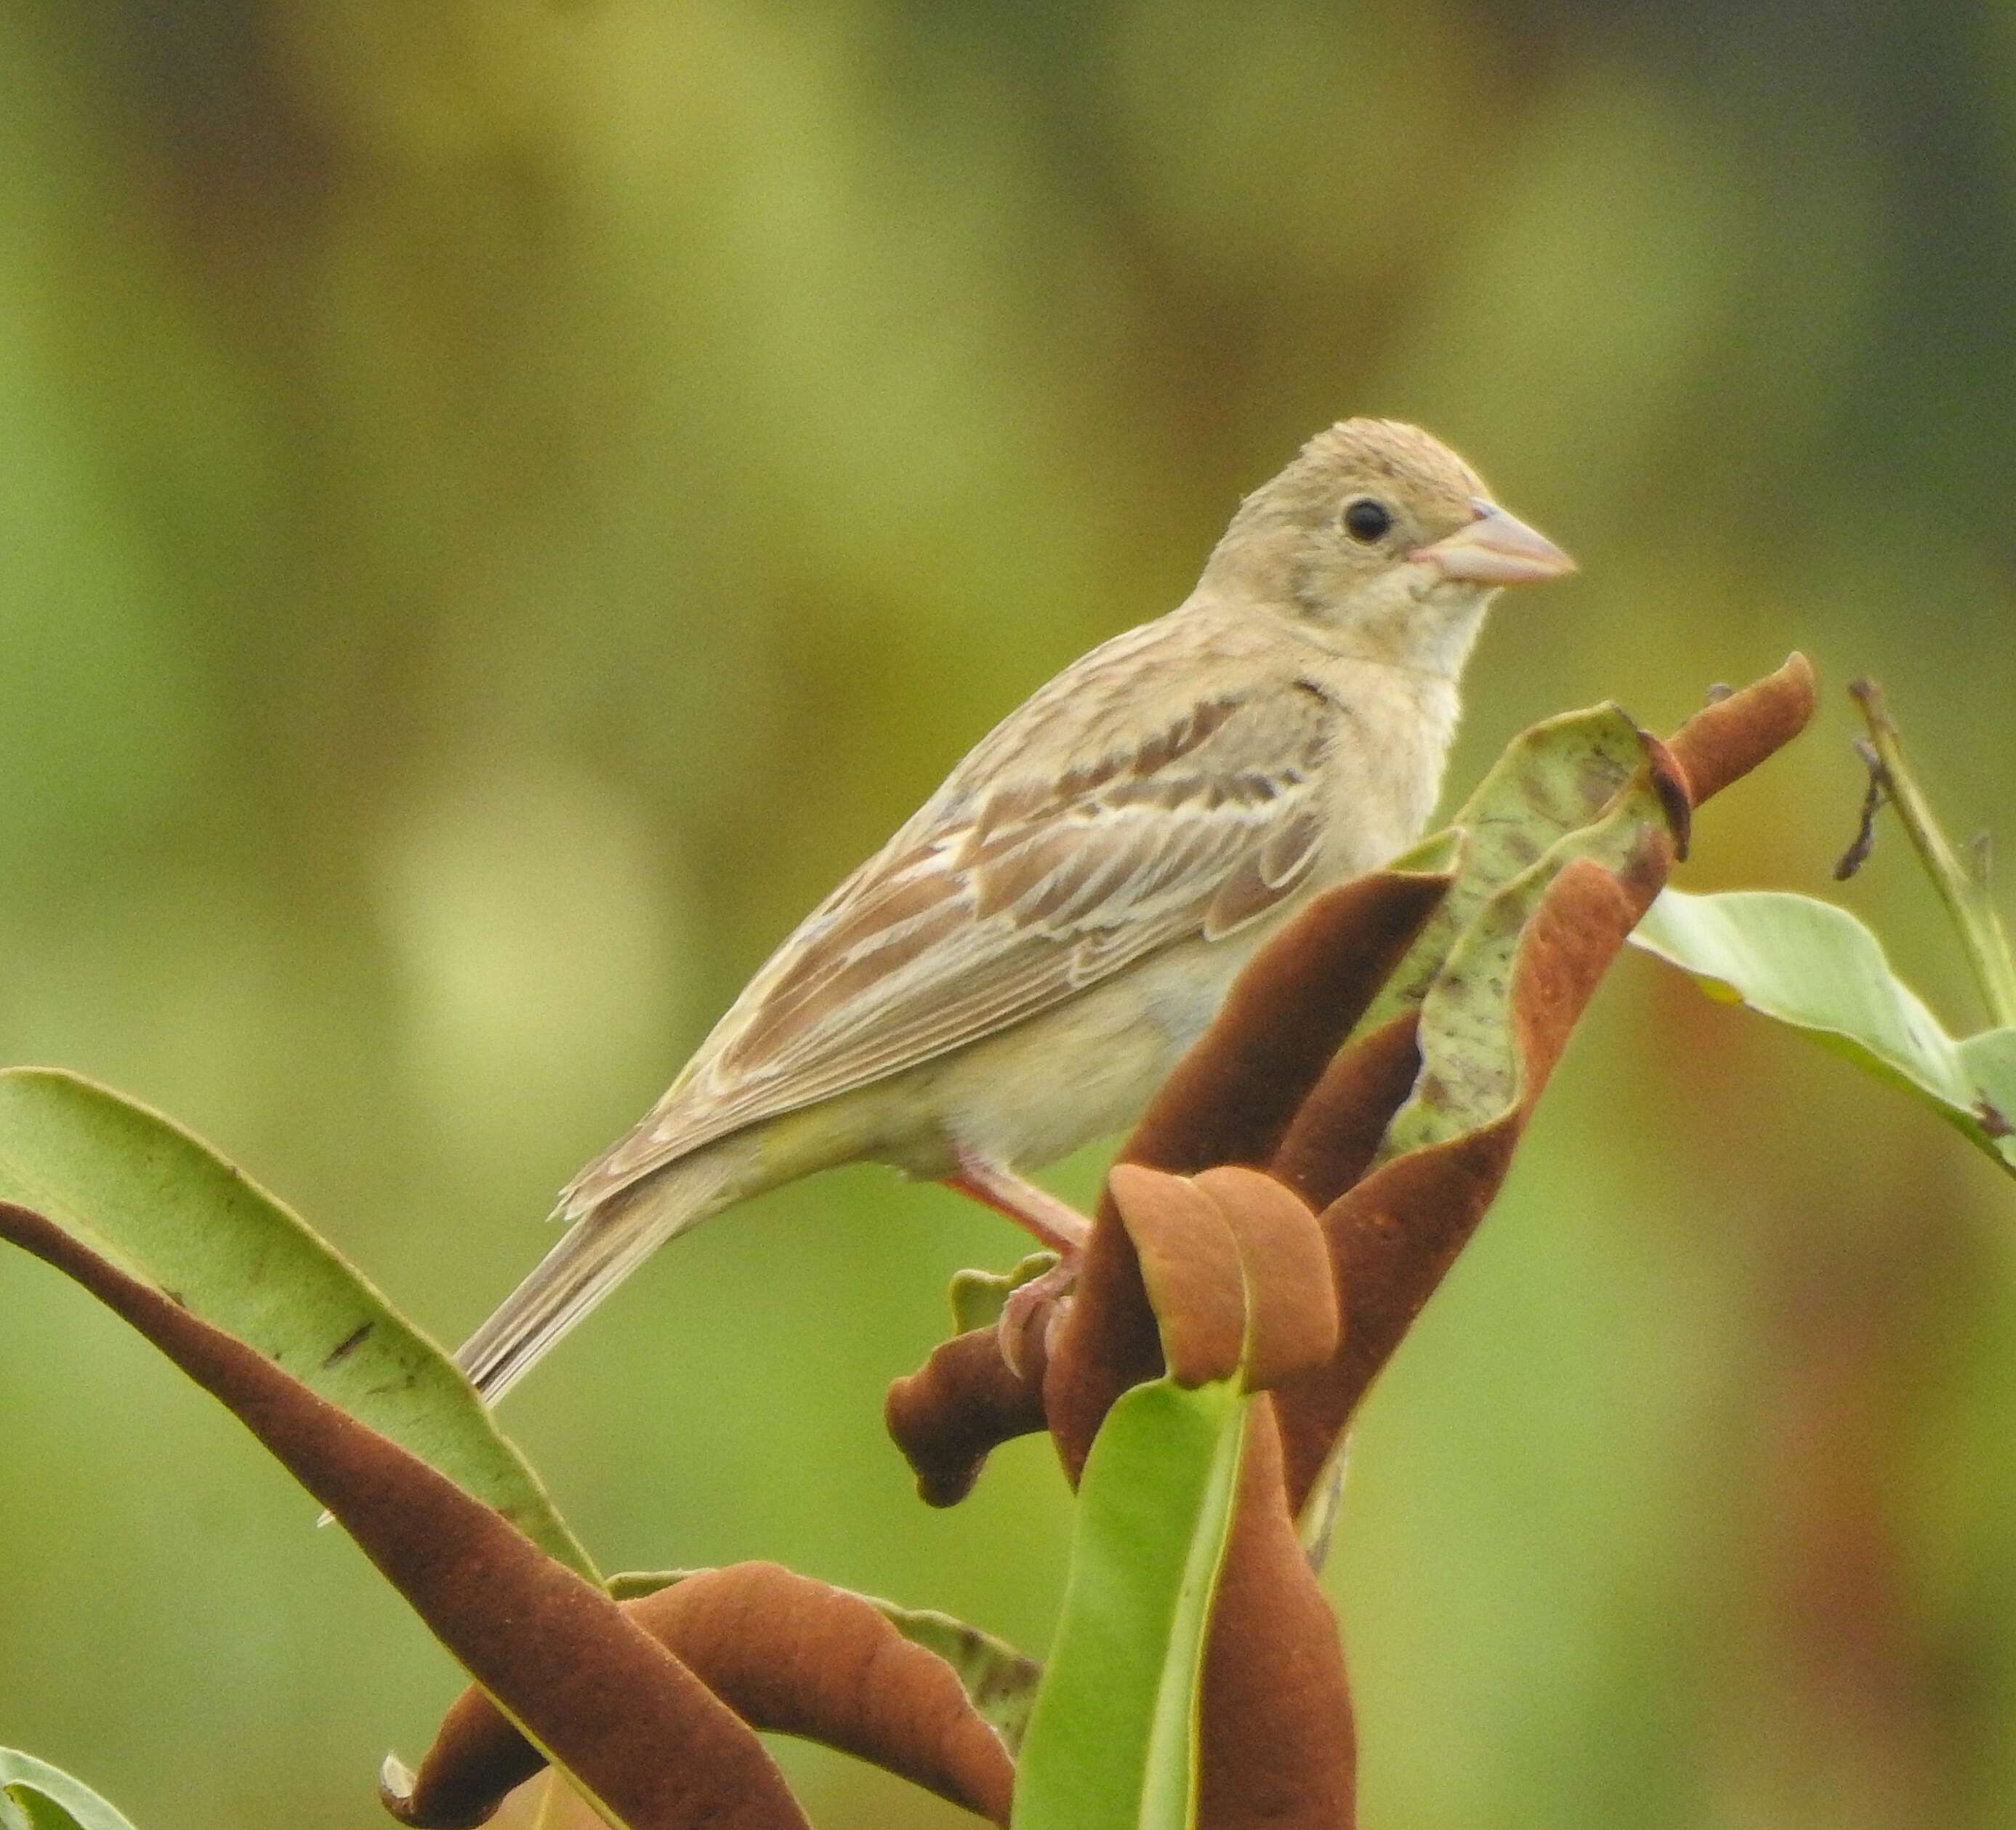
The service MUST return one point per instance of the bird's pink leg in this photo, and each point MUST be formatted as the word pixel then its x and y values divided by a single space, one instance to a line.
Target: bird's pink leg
pixel 1053 1223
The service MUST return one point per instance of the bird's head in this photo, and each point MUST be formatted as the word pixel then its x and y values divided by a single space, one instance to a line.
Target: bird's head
pixel 1386 540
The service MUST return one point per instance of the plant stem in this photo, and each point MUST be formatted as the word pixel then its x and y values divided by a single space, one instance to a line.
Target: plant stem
pixel 1964 892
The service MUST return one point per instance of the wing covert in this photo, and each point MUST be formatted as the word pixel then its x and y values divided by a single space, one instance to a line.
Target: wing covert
pixel 996 902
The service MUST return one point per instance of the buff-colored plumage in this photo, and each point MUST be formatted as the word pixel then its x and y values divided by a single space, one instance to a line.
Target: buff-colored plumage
pixel 1014 972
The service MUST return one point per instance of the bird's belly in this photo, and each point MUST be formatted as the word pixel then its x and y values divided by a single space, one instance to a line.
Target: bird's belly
pixel 1083 1069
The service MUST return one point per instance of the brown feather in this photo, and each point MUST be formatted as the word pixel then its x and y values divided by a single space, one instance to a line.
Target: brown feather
pixel 989 908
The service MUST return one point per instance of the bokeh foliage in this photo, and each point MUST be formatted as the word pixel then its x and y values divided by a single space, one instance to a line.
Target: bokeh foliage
pixel 503 505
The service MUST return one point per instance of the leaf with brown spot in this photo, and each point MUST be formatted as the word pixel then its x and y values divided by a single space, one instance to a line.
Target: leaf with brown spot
pixel 1552 779
pixel 138 1192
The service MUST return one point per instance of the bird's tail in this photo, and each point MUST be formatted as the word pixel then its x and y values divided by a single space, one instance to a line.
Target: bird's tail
pixel 595 1255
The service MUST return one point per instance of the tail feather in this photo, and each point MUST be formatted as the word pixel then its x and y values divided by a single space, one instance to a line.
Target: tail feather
pixel 595 1255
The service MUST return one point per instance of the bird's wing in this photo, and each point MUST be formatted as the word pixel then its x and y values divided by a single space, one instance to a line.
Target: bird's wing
pixel 1005 896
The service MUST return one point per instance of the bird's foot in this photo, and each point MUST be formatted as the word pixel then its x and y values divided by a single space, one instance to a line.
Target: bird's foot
pixel 1031 1314
pixel 1032 1309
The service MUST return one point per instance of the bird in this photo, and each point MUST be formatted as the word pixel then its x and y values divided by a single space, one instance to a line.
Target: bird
pixel 1013 973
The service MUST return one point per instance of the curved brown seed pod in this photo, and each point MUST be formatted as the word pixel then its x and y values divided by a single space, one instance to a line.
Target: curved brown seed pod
pixel 786 1655
pixel 1231 1098
pixel 1189 1264
pixel 964 1402
pixel 1262 1087
pixel 1395 1235
pixel 1292 1314
pixel 1277 1746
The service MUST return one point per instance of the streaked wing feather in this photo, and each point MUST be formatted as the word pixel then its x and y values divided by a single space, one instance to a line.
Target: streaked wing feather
pixel 989 908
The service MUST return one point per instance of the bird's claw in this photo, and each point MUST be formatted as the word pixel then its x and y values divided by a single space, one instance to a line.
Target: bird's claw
pixel 1031 1312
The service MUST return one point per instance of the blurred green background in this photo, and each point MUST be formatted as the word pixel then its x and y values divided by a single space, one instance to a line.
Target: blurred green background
pixel 501 506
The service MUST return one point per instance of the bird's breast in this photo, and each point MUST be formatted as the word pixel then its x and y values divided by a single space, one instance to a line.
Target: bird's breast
pixel 1384 772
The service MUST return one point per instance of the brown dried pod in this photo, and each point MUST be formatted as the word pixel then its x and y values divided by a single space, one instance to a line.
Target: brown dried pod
pixel 961 1405
pixel 1396 1225
pixel 1277 1744
pixel 1266 1085
pixel 786 1654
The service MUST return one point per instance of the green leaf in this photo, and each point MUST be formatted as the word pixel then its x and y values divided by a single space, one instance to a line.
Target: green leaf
pixel 1815 967
pixel 34 1796
pixel 1579 787
pixel 1112 1741
pixel 161 1206
pixel 979 1297
pixel 1554 778
pixel 998 1681
pixel 1471 1066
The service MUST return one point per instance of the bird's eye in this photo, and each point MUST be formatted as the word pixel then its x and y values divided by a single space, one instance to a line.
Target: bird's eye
pixel 1368 520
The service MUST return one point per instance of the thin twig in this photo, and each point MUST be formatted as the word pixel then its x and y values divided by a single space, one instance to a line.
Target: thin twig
pixel 1965 894
pixel 1857 854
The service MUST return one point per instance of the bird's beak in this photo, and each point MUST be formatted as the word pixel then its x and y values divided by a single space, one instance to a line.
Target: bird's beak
pixel 1495 549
